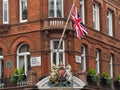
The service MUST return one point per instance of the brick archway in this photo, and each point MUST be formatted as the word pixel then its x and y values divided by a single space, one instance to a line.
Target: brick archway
pixel 3 47
pixel 20 40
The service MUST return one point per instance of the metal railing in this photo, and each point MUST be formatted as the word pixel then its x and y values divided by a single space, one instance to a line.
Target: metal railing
pixel 5 82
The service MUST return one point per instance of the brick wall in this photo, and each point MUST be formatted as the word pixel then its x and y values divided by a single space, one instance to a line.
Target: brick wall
pixel 31 32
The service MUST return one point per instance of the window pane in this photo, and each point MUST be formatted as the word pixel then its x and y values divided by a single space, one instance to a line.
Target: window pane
pixel 57 57
pixel 82 63
pixel 1 68
pixel 24 48
pixel 96 22
pixel 59 8
pixel 54 58
pixel 51 8
pixel 60 57
pixel 28 60
pixel 83 58
pixel 55 45
pixel 111 65
pixel 23 58
pixel 109 23
pixel 5 12
pixel 1 51
pixel 82 10
pixel 55 8
pixel 21 62
pixel 97 61
pixel 24 9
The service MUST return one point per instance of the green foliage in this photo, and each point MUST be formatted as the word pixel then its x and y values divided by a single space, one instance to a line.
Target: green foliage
pixel 118 78
pixel 92 71
pixel 93 76
pixel 13 78
pixel 107 78
pixel 17 75
pixel 105 75
pixel 21 71
pixel 16 71
pixel 109 81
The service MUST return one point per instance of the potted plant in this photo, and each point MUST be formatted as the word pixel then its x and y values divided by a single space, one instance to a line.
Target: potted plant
pixel 105 80
pixel 92 78
pixel 18 76
pixel 117 83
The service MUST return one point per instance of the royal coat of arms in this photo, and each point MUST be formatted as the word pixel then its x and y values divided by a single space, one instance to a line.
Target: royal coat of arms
pixel 60 76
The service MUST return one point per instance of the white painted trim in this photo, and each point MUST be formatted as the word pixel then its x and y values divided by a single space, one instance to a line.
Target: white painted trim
pixel 97 61
pixel 96 17
pixel 55 9
pixel 24 54
pixel 6 2
pixel 57 53
pixel 83 62
pixel 1 58
pixel 21 11
pixel 82 3
pixel 110 23
pixel 111 65
pixel 77 83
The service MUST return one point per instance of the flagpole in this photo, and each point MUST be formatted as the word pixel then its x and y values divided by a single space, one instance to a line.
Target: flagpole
pixel 65 27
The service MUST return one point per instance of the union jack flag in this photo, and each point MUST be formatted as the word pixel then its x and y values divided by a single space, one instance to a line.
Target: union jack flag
pixel 78 24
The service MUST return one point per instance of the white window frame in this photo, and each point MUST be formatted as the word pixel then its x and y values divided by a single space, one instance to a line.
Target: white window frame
pixel 21 20
pixel 110 22
pixel 83 58
pixel 1 66
pixel 97 61
pixel 111 65
pixel 82 10
pixel 96 16
pixel 24 54
pixel 57 52
pixel 55 9
pixel 5 2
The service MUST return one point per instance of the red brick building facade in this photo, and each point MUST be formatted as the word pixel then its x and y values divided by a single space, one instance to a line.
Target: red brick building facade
pixel 39 28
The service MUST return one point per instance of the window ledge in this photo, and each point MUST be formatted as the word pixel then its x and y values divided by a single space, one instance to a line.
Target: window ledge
pixel 4 28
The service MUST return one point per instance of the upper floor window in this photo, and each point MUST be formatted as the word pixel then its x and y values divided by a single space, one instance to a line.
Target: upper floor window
pixel 55 8
pixel 23 10
pixel 57 57
pixel 5 12
pixel 23 57
pixel 83 58
pixel 111 65
pixel 110 22
pixel 96 17
pixel 82 10
pixel 97 61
